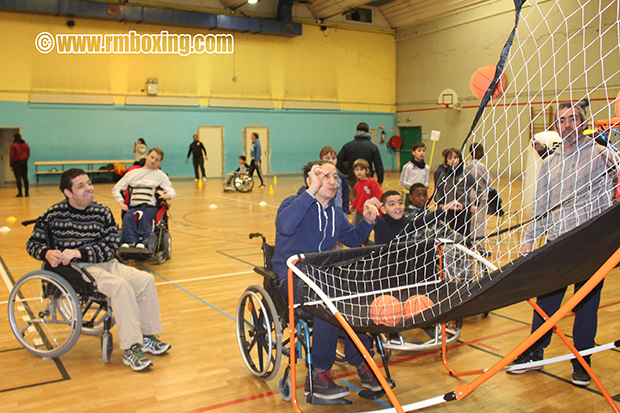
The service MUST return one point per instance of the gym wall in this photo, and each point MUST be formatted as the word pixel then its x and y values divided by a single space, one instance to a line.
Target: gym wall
pixel 353 69
pixel 444 54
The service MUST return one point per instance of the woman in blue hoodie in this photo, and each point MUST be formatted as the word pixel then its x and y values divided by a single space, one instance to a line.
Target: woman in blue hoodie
pixel 310 222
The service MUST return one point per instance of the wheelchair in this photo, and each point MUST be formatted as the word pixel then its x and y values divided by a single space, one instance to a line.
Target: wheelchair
pixel 241 182
pixel 49 308
pixel 262 316
pixel 159 244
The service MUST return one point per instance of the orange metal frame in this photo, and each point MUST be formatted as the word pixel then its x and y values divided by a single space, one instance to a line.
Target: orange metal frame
pixel 464 390
pixel 291 314
pixel 550 323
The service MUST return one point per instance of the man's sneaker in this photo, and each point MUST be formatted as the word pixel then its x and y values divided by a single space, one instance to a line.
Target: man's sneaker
pixel 140 245
pixel 323 386
pixel 195 179
pixel 261 186
pixel 580 376
pixel 135 358
pixel 154 346
pixel 124 245
pixel 529 356
pixel 369 380
pixel 204 178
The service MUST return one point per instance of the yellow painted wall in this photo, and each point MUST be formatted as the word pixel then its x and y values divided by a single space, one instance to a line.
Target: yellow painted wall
pixel 353 68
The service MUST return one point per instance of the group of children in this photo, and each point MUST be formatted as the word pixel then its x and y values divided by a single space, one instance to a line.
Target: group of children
pixel 461 193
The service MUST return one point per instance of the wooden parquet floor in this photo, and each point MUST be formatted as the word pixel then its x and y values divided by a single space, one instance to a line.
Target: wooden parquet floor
pixel 198 290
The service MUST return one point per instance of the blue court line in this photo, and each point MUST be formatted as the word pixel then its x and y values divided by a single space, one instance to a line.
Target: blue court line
pixel 185 291
pixel 382 403
pixel 38 203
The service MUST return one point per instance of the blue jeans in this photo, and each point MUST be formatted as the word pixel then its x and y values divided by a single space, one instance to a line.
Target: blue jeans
pixel 586 317
pixel 134 232
pixel 325 341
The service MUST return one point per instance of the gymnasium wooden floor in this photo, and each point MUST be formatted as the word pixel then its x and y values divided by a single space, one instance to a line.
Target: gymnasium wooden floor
pixel 198 291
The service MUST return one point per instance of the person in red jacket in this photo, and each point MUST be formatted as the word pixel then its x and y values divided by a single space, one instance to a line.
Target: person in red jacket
pixel 20 153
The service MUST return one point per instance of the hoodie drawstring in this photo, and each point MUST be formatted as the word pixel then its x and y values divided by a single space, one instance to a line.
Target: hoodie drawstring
pixel 318 207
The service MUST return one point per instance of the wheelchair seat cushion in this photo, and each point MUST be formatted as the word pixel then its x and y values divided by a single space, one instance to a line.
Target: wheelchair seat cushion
pixel 74 277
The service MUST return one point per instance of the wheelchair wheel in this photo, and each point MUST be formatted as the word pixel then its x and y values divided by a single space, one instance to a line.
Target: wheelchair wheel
pixel 285 388
pixel 106 346
pixel 166 245
pixel 45 314
pixel 160 257
pixel 258 333
pixel 244 183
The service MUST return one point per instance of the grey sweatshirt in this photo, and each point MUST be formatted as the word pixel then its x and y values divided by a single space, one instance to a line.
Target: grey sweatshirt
pixel 571 188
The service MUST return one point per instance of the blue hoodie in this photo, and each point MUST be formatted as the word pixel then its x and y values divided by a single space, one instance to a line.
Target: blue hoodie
pixel 304 226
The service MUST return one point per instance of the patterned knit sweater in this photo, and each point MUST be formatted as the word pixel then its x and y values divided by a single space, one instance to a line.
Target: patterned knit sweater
pixel 91 231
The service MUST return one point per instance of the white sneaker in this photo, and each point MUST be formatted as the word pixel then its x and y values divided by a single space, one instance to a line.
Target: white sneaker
pixel 140 245
pixel 125 245
pixel 204 178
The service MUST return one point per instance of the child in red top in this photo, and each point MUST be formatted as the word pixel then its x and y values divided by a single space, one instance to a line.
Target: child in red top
pixel 365 188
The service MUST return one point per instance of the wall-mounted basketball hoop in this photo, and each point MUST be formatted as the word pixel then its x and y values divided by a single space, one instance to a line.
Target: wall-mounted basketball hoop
pixel 449 99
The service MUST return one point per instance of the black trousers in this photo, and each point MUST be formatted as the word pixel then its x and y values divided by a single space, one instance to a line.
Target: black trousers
pixel 255 166
pixel 20 169
pixel 199 162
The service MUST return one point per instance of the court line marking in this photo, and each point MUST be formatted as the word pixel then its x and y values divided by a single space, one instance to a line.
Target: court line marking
pixel 357 389
pixel 5 276
pixel 187 292
pixel 200 278
pixel 250 202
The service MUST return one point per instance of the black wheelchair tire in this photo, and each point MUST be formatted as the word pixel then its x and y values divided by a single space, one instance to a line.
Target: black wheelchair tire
pixel 106 346
pixel 20 293
pixel 260 336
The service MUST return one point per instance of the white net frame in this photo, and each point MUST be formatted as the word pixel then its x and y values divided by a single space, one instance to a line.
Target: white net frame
pixel 563 51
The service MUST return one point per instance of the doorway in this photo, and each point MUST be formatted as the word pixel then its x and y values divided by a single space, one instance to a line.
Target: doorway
pixel 409 135
pixel 212 137
pixel 6 134
pixel 263 137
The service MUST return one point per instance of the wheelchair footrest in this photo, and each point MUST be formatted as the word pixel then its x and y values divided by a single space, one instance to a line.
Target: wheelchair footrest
pixel 315 400
pixel 372 395
pixel 134 251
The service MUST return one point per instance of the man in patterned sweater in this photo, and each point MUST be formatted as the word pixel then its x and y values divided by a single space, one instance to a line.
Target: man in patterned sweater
pixel 85 235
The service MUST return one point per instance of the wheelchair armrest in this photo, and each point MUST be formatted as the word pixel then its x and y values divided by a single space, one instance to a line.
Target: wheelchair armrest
pixel 266 273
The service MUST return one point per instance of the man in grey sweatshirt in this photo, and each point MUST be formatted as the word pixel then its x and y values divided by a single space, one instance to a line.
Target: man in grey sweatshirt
pixel 575 184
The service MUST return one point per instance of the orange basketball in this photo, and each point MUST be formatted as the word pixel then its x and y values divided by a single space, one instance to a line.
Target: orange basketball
pixel 386 310
pixel 482 78
pixel 415 305
pixel 618 105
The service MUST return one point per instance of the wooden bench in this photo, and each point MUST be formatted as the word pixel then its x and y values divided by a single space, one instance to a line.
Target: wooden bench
pixel 88 166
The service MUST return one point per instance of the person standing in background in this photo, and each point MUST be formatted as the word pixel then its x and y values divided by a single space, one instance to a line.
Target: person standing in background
pixel 478 182
pixel 414 171
pixel 139 148
pixel 20 153
pixel 196 149
pixel 360 147
pixel 255 153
